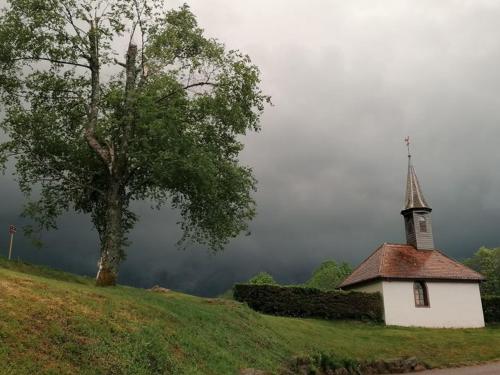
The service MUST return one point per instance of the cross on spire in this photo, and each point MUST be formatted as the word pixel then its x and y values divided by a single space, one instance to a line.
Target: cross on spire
pixel 407 141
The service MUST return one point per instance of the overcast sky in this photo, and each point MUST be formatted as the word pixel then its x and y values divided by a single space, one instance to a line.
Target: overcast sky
pixel 349 80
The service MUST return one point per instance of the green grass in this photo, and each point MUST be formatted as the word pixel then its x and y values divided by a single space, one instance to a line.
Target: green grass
pixel 57 323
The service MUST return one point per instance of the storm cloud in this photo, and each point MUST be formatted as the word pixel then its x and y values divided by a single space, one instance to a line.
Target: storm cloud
pixel 349 80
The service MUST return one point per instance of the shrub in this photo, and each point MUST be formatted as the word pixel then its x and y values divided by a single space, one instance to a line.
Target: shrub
pixel 329 275
pixel 321 363
pixel 491 309
pixel 329 363
pixel 309 302
pixel 262 278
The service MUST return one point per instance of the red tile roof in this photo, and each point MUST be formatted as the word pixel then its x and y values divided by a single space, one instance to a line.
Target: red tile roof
pixel 392 261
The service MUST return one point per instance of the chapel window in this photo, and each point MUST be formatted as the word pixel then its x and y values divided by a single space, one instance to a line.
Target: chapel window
pixel 420 294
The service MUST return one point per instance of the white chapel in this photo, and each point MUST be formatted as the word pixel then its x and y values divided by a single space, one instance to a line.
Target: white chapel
pixel 420 285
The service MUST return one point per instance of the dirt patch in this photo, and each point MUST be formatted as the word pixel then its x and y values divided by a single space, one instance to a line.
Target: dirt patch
pixel 159 289
pixel 221 302
pixel 252 371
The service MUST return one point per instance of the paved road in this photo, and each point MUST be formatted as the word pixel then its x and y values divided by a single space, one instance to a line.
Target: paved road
pixel 487 369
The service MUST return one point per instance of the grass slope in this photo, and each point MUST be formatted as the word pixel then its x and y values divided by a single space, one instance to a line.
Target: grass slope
pixel 57 323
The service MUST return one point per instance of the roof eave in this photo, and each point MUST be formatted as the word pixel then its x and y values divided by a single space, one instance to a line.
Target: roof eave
pixel 412 278
pixel 409 209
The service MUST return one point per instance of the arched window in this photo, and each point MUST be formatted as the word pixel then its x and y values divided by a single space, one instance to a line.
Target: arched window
pixel 420 293
pixel 422 223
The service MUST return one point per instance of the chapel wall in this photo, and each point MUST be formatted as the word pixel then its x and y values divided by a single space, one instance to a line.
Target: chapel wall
pixel 451 305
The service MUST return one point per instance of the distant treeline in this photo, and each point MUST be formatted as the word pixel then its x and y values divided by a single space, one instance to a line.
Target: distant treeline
pixel 486 261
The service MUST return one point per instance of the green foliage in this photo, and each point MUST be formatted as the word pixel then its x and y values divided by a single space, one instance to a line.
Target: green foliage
pixel 92 127
pixel 53 324
pixel 491 308
pixel 262 278
pixel 309 302
pixel 487 262
pixel 329 275
pixel 322 363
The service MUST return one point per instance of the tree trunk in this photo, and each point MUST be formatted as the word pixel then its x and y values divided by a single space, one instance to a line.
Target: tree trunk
pixel 112 240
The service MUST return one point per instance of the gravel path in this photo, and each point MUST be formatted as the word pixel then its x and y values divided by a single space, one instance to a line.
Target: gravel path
pixel 487 369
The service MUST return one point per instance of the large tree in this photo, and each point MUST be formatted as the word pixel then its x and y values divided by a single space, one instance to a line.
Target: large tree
pixel 111 101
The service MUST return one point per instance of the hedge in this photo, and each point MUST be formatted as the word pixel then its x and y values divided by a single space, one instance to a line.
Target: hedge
pixel 310 302
pixel 491 309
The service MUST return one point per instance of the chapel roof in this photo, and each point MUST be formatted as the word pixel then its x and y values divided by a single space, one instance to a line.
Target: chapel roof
pixel 395 261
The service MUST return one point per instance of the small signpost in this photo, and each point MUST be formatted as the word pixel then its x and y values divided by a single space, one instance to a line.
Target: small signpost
pixel 12 230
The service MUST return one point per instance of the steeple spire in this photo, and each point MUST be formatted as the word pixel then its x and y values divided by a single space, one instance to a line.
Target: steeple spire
pixel 414 197
pixel 416 211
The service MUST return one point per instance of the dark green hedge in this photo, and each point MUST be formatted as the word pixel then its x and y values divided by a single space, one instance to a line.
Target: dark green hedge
pixel 491 309
pixel 309 302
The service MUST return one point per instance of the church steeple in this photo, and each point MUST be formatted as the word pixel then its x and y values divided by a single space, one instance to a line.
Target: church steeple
pixel 414 197
pixel 416 212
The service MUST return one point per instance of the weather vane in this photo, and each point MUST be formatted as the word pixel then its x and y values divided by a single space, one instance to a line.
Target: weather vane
pixel 407 141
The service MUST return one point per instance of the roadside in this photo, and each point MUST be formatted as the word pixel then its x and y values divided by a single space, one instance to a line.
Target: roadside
pixel 486 369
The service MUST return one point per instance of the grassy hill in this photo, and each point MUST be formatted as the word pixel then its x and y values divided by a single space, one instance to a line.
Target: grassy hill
pixel 57 323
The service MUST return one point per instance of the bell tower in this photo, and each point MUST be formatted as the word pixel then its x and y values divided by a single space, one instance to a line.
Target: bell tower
pixel 416 212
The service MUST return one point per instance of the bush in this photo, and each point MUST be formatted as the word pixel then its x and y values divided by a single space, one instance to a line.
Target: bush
pixel 329 275
pixel 262 278
pixel 321 363
pixel 309 302
pixel 328 363
pixel 491 309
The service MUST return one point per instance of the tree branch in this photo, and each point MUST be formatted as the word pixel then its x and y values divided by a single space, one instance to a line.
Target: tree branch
pixel 93 111
pixel 141 27
pixel 118 62
pixel 34 58
pixel 197 84
pixel 63 177
pixel 43 165
pixel 129 105
pixel 77 30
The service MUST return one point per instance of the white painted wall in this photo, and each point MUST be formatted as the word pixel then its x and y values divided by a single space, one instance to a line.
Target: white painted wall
pixel 452 305
pixel 373 287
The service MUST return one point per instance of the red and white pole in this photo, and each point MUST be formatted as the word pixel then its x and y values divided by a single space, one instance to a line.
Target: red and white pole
pixel 12 230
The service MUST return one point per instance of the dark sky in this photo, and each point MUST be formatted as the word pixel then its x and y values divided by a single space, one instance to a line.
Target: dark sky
pixel 349 80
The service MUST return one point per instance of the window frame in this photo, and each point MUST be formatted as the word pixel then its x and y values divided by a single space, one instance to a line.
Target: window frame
pixel 425 294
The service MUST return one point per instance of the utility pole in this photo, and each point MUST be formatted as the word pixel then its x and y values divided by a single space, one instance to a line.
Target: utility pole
pixel 12 230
